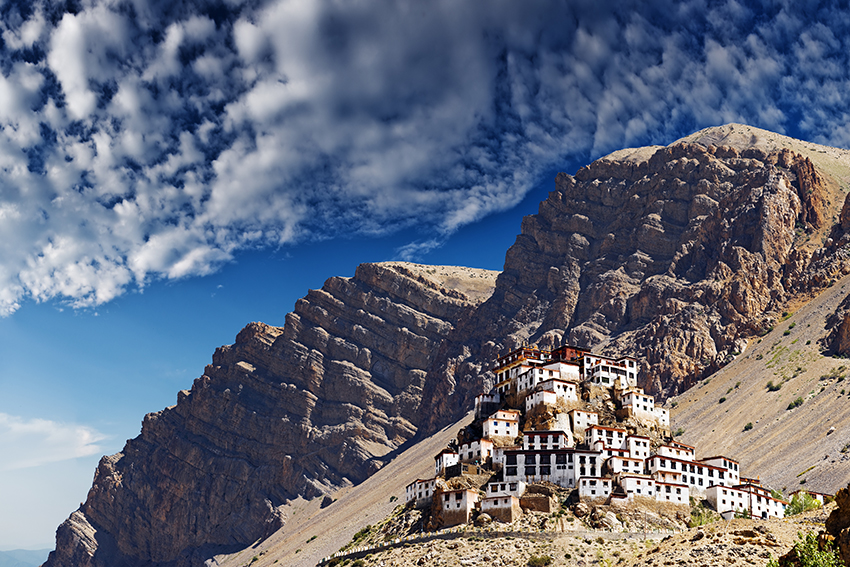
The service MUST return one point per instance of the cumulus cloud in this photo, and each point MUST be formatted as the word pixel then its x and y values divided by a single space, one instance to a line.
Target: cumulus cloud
pixel 143 140
pixel 26 443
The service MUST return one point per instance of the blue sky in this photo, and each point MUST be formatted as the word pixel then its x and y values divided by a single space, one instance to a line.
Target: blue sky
pixel 170 171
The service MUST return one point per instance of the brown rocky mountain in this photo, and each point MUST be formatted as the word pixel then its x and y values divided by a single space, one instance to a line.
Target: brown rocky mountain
pixel 286 412
pixel 678 255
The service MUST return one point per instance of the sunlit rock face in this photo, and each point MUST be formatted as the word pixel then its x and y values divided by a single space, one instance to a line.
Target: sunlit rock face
pixel 675 255
pixel 302 409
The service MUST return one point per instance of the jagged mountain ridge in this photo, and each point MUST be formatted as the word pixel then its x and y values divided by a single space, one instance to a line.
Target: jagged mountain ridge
pixel 283 412
pixel 675 254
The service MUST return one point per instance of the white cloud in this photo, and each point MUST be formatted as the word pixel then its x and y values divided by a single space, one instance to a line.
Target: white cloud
pixel 157 143
pixel 28 443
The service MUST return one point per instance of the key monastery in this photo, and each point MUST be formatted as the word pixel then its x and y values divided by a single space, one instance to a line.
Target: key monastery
pixel 577 420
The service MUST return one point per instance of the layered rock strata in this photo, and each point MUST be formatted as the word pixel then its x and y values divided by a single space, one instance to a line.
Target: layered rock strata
pixel 322 402
pixel 676 256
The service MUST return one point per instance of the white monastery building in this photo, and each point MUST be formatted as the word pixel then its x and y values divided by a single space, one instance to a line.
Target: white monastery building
pixel 575 450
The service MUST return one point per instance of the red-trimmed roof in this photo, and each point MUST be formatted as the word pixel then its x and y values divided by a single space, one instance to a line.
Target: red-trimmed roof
pixel 720 457
pixel 445 452
pixel 608 428
pixel 684 461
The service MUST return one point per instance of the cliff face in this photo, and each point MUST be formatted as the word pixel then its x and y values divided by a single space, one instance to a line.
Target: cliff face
pixel 676 255
pixel 320 403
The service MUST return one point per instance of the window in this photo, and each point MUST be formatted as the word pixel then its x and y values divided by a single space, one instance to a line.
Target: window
pixel 530 470
pixel 510 471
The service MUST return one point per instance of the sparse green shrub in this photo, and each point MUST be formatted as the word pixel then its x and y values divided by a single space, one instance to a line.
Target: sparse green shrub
pixel 678 432
pixel 721 400
pixel 748 426
pixel 786 333
pixel 358 563
pixel 791 326
pixel 771 387
pixel 539 561
pixel 801 502
pixel 674 404
pixel 795 404
pixel 702 515
pixel 810 554
pixel 737 384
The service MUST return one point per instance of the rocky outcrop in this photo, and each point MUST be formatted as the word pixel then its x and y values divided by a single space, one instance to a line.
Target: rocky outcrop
pixel 677 256
pixel 838 524
pixel 320 403
pixel 837 339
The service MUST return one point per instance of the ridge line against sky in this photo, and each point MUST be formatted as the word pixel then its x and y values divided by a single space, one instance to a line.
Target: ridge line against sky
pixel 145 140
pixel 252 149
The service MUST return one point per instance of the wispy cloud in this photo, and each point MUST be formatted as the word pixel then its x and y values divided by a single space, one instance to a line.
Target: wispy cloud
pixel 156 140
pixel 28 443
